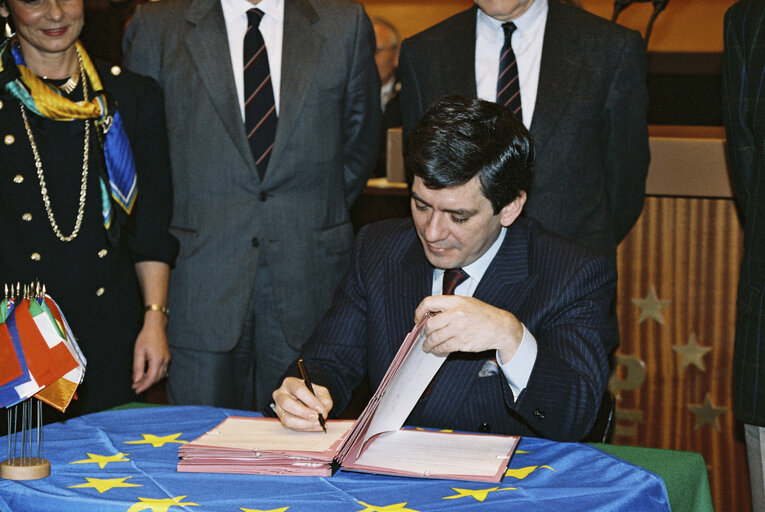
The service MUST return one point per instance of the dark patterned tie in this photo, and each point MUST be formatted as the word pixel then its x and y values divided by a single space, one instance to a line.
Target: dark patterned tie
pixel 259 107
pixel 508 89
pixel 452 279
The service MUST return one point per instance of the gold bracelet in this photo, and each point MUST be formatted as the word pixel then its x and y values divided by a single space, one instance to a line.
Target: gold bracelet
pixel 157 307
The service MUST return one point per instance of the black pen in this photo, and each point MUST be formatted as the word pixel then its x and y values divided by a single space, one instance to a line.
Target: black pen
pixel 307 380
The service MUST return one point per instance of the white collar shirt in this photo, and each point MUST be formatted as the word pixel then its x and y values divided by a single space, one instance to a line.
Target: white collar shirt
pixel 527 45
pixel 272 29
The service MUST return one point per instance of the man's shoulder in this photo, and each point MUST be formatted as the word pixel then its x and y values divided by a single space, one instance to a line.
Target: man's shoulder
pixel 163 11
pixel 388 238
pixel 445 29
pixel 588 23
pixel 552 252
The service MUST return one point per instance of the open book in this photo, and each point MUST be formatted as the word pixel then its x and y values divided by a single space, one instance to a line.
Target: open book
pixel 374 443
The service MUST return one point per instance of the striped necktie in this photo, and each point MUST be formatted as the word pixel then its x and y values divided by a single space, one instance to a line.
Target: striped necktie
pixel 259 106
pixel 452 279
pixel 508 89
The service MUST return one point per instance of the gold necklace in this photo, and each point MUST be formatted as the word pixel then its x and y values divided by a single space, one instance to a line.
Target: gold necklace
pixel 68 86
pixel 41 177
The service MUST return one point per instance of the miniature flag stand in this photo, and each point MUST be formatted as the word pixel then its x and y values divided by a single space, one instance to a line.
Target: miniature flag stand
pixel 25 443
pixel 40 362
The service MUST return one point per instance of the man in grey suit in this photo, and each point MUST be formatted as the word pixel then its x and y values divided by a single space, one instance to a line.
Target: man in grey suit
pixel 583 96
pixel 262 245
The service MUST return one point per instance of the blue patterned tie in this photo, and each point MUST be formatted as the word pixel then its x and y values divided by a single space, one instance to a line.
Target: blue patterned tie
pixel 508 89
pixel 259 106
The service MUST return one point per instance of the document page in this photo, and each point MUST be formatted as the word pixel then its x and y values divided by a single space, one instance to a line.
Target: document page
pixel 438 454
pixel 268 435
pixel 405 388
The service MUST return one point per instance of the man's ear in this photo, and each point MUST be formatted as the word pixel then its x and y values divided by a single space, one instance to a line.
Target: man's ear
pixel 512 210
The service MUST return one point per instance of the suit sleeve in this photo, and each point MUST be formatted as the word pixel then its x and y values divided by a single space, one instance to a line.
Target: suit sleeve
pixel 152 241
pixel 572 368
pixel 140 49
pixel 363 114
pixel 626 136
pixel 740 139
pixel 336 353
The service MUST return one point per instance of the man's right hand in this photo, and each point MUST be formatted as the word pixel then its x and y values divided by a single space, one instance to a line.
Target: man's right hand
pixel 298 408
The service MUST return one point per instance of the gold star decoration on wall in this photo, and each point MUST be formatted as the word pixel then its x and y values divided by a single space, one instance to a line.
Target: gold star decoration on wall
pixel 478 494
pixel 160 504
pixel 692 353
pixel 105 484
pixel 706 414
pixel 102 460
pixel 158 441
pixel 651 307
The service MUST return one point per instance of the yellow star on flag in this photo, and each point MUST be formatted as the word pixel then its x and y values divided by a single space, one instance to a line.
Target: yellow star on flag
pixel 522 473
pixel 651 307
pixel 691 353
pixel 707 414
pixel 398 507
pixel 159 504
pixel 283 509
pixel 157 441
pixel 102 460
pixel 478 494
pixel 104 484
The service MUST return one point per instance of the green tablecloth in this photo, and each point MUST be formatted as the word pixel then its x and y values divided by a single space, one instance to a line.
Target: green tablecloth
pixel 684 474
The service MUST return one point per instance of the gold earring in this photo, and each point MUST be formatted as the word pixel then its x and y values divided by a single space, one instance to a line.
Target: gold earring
pixel 8 31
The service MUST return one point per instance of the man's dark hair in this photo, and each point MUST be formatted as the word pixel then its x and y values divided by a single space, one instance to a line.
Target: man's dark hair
pixel 461 137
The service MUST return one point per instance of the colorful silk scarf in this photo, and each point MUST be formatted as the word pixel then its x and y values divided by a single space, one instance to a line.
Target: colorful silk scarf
pixel 46 100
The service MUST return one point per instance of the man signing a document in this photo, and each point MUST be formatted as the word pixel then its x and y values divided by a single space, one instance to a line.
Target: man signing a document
pixel 525 316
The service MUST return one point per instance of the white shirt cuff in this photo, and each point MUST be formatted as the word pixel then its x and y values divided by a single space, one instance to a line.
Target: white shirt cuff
pixel 518 370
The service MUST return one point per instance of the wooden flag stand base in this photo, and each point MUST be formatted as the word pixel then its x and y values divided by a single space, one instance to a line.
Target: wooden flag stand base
pixel 26 468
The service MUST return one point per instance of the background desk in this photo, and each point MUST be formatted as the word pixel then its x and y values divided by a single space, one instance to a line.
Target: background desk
pixel 125 461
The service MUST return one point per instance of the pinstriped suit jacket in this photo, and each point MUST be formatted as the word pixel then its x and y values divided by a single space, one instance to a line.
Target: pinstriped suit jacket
pixel 744 110
pixel 558 290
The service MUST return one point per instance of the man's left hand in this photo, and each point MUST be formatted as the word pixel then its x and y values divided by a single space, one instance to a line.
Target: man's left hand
pixel 465 324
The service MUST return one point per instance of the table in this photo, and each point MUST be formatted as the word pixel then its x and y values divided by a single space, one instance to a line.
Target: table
pixel 125 461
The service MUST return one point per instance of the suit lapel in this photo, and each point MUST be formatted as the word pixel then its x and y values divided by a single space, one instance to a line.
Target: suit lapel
pixel 411 281
pixel 207 43
pixel 301 48
pixel 505 285
pixel 557 73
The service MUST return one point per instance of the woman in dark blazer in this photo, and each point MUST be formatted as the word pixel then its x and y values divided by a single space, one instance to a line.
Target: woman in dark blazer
pixel 85 197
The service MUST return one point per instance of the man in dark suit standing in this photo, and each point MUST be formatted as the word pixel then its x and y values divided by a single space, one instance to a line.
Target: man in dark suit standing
pixel 528 329
pixel 578 83
pixel 273 113
pixel 744 113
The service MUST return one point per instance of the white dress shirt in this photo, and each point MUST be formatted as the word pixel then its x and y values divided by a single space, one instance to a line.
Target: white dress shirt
pixel 527 46
pixel 518 370
pixel 272 29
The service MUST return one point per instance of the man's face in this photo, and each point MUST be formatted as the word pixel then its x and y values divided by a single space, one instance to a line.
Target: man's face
pixel 504 10
pixel 457 225
pixel 386 52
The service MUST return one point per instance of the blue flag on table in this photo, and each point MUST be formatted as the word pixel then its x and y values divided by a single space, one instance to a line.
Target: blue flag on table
pixel 125 461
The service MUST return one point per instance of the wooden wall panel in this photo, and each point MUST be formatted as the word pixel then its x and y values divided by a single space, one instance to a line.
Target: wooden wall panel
pixel 687 250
